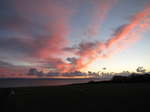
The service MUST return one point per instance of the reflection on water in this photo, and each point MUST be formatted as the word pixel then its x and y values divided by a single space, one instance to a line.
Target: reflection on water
pixel 41 82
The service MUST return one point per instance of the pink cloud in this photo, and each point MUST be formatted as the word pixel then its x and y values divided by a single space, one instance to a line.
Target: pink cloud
pixel 56 15
pixel 86 53
pixel 56 18
pixel 146 24
pixel 122 31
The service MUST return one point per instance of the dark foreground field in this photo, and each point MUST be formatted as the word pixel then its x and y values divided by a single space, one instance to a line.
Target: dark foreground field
pixel 134 97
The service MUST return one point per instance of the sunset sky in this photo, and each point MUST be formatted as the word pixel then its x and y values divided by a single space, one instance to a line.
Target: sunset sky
pixel 74 35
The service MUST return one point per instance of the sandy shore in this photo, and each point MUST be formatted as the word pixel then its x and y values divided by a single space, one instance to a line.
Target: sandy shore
pixel 134 97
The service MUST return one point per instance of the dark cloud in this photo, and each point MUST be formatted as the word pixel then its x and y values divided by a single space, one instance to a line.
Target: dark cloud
pixel 32 71
pixel 107 74
pixel 124 73
pixel 72 60
pixel 67 74
pixel 110 74
pixel 140 69
pixel 53 74
pixel 104 68
pixel 73 74
pixel 2 75
pixel 12 74
pixel 69 49
pixel 58 64
pixel 85 47
pixel 40 74
pixel 93 74
pixel 35 72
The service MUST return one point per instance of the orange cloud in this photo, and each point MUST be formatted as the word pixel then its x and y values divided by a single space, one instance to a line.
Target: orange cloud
pixel 124 30
pixel 146 24
pixel 86 53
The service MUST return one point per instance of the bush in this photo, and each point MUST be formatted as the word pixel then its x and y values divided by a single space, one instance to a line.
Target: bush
pixel 131 78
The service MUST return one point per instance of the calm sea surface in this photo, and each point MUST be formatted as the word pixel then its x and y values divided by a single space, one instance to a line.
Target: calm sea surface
pixel 4 83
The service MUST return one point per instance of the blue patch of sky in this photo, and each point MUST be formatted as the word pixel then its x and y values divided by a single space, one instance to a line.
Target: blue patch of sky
pixel 78 23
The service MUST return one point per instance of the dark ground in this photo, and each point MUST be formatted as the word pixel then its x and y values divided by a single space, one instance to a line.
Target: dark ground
pixel 133 97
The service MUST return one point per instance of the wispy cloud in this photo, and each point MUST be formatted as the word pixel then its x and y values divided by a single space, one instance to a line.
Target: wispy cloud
pixel 97 14
pixel 122 37
pixel 123 31
pixel 8 68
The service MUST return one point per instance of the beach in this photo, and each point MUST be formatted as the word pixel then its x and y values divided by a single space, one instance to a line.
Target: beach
pixel 98 97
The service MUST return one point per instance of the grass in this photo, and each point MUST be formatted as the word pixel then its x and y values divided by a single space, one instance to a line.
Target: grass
pixel 129 97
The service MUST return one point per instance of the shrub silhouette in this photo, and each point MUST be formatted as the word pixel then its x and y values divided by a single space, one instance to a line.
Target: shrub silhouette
pixel 131 78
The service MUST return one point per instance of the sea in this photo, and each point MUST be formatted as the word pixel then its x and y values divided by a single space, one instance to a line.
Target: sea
pixel 7 83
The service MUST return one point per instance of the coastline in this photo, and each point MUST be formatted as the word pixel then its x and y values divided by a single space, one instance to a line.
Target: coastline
pixel 95 97
pixel 25 82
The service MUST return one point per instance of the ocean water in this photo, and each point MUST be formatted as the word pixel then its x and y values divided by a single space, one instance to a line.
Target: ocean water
pixel 5 83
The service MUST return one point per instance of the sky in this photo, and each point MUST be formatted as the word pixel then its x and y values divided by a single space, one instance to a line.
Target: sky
pixel 74 38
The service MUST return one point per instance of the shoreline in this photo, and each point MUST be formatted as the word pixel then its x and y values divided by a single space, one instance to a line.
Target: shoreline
pixel 7 83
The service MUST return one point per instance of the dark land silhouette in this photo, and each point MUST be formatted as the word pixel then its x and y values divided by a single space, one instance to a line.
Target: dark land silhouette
pixel 120 94
pixel 133 78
